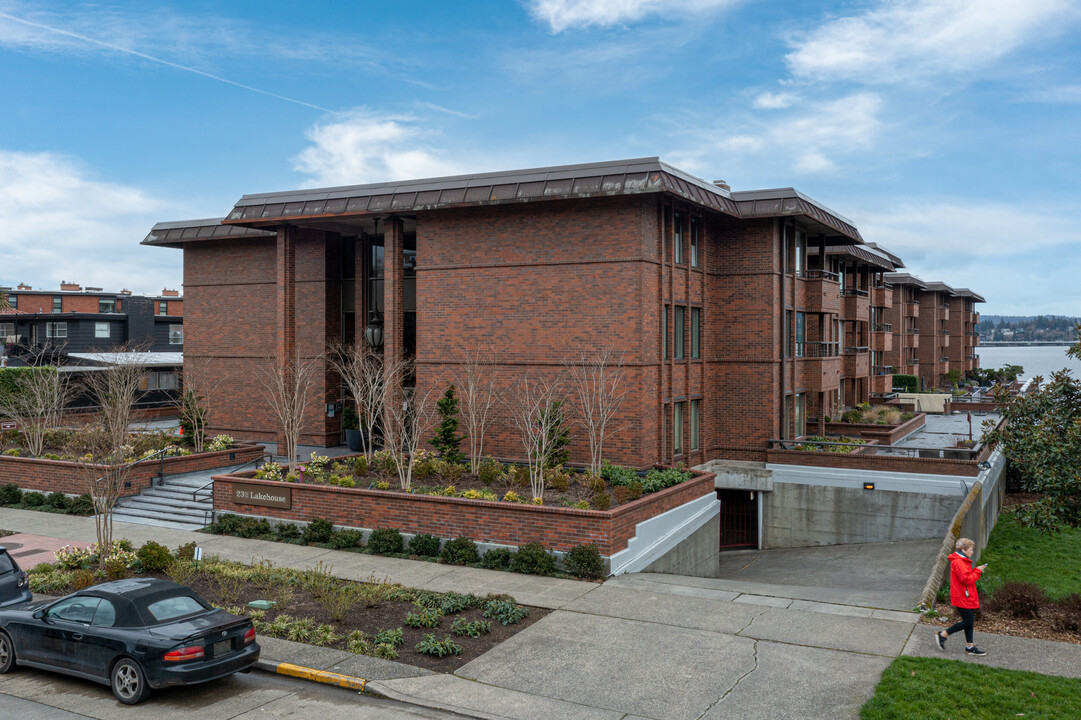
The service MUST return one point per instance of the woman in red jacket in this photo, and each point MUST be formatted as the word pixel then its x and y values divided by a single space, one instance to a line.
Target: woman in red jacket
pixel 963 594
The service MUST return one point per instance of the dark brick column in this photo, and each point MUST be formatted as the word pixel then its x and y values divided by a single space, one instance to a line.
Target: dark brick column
pixel 393 297
pixel 286 302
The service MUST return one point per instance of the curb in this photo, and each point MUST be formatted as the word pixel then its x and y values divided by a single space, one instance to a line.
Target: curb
pixel 313 675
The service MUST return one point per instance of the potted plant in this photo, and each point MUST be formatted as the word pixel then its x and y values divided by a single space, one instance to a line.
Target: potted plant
pixel 351 426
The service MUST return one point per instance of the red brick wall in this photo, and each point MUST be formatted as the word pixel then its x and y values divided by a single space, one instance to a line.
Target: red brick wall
pixel 886 463
pixel 885 434
pixel 556 528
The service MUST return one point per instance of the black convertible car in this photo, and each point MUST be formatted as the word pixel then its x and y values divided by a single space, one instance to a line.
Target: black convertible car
pixel 133 635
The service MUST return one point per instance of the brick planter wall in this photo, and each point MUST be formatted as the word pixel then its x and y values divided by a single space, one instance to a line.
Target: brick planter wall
pixel 885 434
pixel 557 528
pixel 885 463
pixel 69 477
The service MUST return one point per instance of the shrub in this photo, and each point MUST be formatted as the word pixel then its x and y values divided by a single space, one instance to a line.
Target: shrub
pixel 480 495
pixel 220 442
pixel 461 626
pixel 906 383
pixel 82 505
pixel 394 637
pixel 1018 599
pixel 447 439
pixel 451 471
pixel 57 500
pixel 661 479
pixel 13 452
pixel 360 465
pixel 384 541
pixel 288 531
pixel 10 494
pixel 423 617
pixel 1069 619
pixel 186 552
pixel 557 479
pixel 617 474
pixel 459 551
pixel 251 528
pixel 154 557
pixel 497 559
pixel 584 561
pixel 429 645
pixel 33 499
pixel 82 579
pixel 489 470
pixel 424 545
pixel 506 612
pixel 358 643
pixel 116 569
pixel 345 539
pixel 533 559
pixel 513 497
pixel 318 530
pixel 339 600
pixel 454 602
pixel 624 494
pixel 601 501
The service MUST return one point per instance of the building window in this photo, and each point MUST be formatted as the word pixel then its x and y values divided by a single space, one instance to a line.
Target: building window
pixel 786 418
pixel 13 300
pixel 801 252
pixel 696 332
pixel 58 303
pixel 788 333
pixel 694 423
pixel 176 334
pixel 801 415
pixel 162 380
pixel 677 238
pixel 163 308
pixel 56 330
pixel 694 242
pixel 664 334
pixel 786 248
pixel 678 320
pixel 101 330
pixel 801 333
pixel 677 428
pixel 7 333
pixel 106 305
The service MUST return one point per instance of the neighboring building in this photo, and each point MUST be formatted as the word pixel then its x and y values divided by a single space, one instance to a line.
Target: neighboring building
pixel 77 319
pixel 741 316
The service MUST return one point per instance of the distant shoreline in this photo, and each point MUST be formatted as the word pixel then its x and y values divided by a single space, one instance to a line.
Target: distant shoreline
pixel 1038 343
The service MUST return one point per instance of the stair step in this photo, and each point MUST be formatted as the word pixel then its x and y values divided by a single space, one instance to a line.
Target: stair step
pixel 169 494
pixel 172 525
pixel 123 515
pixel 180 509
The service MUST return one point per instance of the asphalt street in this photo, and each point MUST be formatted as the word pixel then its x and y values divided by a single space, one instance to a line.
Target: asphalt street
pixel 32 695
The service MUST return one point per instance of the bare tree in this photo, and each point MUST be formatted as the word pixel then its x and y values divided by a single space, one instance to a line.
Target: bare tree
pixel 479 398
pixel 289 386
pixel 36 403
pixel 407 417
pixel 531 408
pixel 362 371
pixel 597 380
pixel 116 388
pixel 195 401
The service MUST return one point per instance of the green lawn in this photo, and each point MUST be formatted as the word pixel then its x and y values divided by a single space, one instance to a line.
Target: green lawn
pixel 1026 555
pixel 915 688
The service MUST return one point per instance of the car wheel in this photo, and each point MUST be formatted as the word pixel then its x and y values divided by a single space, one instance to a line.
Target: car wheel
pixel 7 653
pixel 129 682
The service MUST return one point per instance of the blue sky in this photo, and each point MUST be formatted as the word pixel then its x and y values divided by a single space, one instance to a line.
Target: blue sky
pixel 947 130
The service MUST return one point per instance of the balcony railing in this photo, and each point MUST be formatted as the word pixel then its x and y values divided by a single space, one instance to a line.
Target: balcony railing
pixel 945 332
pixel 856 349
pixel 883 370
pixel 944 359
pixel 883 327
pixel 913 361
pixel 971 333
pixel 883 286
pixel 913 331
pixel 822 275
pixel 818 349
pixel 915 302
pixel 855 291
pixel 944 306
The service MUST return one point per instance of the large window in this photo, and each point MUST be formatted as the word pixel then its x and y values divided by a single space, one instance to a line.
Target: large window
pixel 677 238
pixel 56 330
pixel 176 334
pixel 163 308
pixel 696 332
pixel 677 428
pixel 664 334
pixel 7 332
pixel 162 380
pixel 801 252
pixel 58 303
pixel 101 329
pixel 678 343
pixel 801 414
pixel 694 423
pixel 13 300
pixel 106 305
pixel 695 259
pixel 788 333
pixel 801 334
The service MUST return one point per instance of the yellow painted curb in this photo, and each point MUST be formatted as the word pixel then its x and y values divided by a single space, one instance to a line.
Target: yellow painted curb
pixel 322 676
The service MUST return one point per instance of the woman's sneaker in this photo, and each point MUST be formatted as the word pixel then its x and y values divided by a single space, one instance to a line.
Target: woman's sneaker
pixel 974 651
pixel 940 640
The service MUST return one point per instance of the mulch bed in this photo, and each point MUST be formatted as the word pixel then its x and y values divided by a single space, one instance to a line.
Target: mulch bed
pixel 1015 499
pixel 1003 624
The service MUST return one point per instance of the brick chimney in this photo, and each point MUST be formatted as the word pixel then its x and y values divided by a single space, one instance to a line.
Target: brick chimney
pixel 722 185
pixel 24 286
pixel 125 291
pixel 170 293
pixel 65 285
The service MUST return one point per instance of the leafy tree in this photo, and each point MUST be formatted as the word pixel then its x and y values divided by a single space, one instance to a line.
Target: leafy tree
pixel 447 439
pixel 1041 438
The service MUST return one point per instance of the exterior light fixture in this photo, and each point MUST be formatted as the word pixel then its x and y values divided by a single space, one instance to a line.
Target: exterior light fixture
pixel 868 486
pixel 373 333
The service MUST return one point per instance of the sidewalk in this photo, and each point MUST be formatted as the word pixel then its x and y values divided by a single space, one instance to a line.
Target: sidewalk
pixel 637 646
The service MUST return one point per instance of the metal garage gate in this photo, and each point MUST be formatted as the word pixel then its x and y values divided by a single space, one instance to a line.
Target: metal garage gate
pixel 739 519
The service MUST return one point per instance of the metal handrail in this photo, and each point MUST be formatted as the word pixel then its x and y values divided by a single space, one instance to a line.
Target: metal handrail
pixel 855 291
pixel 884 327
pixel 856 349
pixel 913 331
pixel 822 275
pixel 238 468
pixel 817 349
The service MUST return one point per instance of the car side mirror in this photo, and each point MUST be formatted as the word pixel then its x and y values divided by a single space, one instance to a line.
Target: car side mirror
pixel 38 614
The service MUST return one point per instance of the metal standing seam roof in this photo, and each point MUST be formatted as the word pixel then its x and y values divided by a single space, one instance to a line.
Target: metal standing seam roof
pixel 175 234
pixel 904 279
pixel 779 202
pixel 938 286
pixel 895 259
pixel 965 292
pixel 861 252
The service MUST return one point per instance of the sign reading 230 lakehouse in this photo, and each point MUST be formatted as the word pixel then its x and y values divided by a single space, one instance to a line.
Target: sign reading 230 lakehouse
pixel 261 495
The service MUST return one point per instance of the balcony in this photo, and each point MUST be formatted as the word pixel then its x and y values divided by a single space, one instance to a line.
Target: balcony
pixel 819 291
pixel 818 349
pixel 882 384
pixel 944 331
pixel 882 338
pixel 944 359
pixel 882 295
pixel 912 309
pixel 913 331
pixel 942 312
pixel 913 361
pixel 857 361
pixel 883 370
pixel 820 367
pixel 857 303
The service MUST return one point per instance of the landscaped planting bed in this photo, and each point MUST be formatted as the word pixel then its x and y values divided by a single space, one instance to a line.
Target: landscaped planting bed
pixel 437 631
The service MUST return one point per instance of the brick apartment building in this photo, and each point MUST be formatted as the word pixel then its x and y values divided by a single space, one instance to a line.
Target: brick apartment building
pixel 79 319
pixel 741 316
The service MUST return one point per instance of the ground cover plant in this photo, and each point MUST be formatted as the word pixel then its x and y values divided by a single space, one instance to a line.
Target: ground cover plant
pixel 438 631
pixel 493 481
pixel 815 443
pixel 875 415
pixel 914 688
pixel 13 497
pixel 582 561
pixel 77 444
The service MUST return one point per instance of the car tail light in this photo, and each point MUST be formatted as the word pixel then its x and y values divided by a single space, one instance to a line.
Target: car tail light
pixel 191 652
pixel 249 636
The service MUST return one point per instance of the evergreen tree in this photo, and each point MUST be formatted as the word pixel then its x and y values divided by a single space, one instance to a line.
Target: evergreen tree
pixel 559 435
pixel 447 439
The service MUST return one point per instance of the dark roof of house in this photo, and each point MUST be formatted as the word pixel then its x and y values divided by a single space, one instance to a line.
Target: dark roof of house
pixel 863 253
pixel 965 292
pixel 938 286
pixel 175 234
pixel 896 259
pixel 781 202
pixel 897 278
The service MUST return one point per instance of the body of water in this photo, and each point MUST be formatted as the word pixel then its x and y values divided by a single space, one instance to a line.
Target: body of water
pixel 1036 360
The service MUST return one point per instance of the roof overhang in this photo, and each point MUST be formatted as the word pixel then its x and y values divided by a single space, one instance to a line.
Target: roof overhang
pixel 938 286
pixel 904 279
pixel 965 292
pixel 789 202
pixel 861 253
pixel 176 234
pixel 895 259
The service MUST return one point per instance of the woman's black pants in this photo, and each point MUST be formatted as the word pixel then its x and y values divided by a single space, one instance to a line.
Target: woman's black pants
pixel 968 618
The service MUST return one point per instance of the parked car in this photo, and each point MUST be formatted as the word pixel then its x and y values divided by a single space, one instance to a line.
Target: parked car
pixel 132 635
pixel 14 585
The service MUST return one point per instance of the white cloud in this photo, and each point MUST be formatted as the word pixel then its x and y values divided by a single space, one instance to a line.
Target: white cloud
pixel 365 147
pixel 897 42
pixel 61 224
pixel 1059 95
pixel 563 14
pixel 773 101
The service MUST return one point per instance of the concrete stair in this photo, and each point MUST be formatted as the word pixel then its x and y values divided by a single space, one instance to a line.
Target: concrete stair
pixel 180 502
